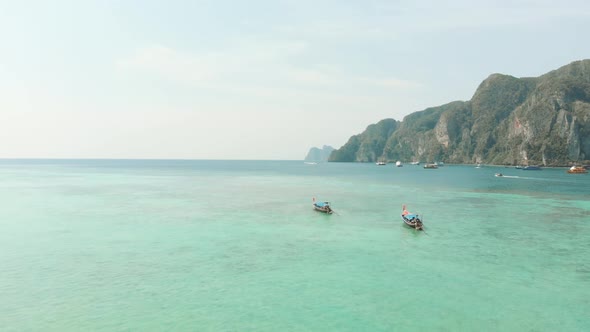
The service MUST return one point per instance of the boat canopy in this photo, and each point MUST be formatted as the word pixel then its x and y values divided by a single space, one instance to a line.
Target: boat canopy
pixel 410 216
pixel 322 204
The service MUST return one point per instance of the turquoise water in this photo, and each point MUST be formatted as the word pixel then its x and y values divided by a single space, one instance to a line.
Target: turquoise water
pixel 116 245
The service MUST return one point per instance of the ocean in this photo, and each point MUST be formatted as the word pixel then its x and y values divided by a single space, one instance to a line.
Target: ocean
pixel 181 245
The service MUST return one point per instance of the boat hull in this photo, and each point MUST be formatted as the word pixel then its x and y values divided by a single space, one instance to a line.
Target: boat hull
pixel 577 170
pixel 323 209
pixel 415 223
pixel 531 168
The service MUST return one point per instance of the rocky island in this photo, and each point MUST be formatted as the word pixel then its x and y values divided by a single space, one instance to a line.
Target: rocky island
pixel 317 155
pixel 541 120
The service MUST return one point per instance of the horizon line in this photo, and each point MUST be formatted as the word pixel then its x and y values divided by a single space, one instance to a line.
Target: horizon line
pixel 175 159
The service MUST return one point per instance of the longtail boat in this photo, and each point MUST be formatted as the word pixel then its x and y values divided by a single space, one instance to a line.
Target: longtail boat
pixel 411 219
pixel 322 207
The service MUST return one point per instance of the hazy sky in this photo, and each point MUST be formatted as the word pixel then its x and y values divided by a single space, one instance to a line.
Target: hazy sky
pixel 254 79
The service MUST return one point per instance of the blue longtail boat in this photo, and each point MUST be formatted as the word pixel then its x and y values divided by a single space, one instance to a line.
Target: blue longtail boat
pixel 322 207
pixel 411 219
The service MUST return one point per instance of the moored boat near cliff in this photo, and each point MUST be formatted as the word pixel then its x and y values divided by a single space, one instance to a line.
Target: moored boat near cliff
pixel 577 170
pixel 531 168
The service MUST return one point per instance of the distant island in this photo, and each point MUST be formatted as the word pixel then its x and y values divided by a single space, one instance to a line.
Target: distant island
pixel 541 120
pixel 317 155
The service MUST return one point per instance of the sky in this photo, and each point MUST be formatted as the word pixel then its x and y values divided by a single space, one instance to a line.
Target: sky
pixel 264 80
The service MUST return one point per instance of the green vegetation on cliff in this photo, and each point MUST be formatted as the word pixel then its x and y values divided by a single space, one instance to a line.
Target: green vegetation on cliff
pixel 364 147
pixel 543 120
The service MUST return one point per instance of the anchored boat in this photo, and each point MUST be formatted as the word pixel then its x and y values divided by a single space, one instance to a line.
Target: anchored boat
pixel 531 168
pixel 577 170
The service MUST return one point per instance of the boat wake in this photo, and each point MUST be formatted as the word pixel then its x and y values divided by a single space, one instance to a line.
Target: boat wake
pixel 528 178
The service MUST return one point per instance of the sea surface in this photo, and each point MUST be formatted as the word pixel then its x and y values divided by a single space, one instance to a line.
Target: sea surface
pixel 173 245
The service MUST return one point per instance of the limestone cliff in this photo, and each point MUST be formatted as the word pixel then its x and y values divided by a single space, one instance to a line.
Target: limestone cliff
pixel 368 146
pixel 317 155
pixel 542 120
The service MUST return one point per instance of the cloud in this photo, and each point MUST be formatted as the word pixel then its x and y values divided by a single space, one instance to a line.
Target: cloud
pixel 171 64
pixel 250 66
pixel 379 21
pixel 187 66
pixel 408 16
pixel 392 83
pixel 341 31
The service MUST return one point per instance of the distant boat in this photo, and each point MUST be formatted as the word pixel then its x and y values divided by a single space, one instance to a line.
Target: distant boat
pixel 310 163
pixel 398 164
pixel 322 207
pixel 478 166
pixel 415 163
pixel 411 219
pixel 531 168
pixel 380 163
pixel 499 175
pixel 577 170
pixel 518 167
pixel 431 166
